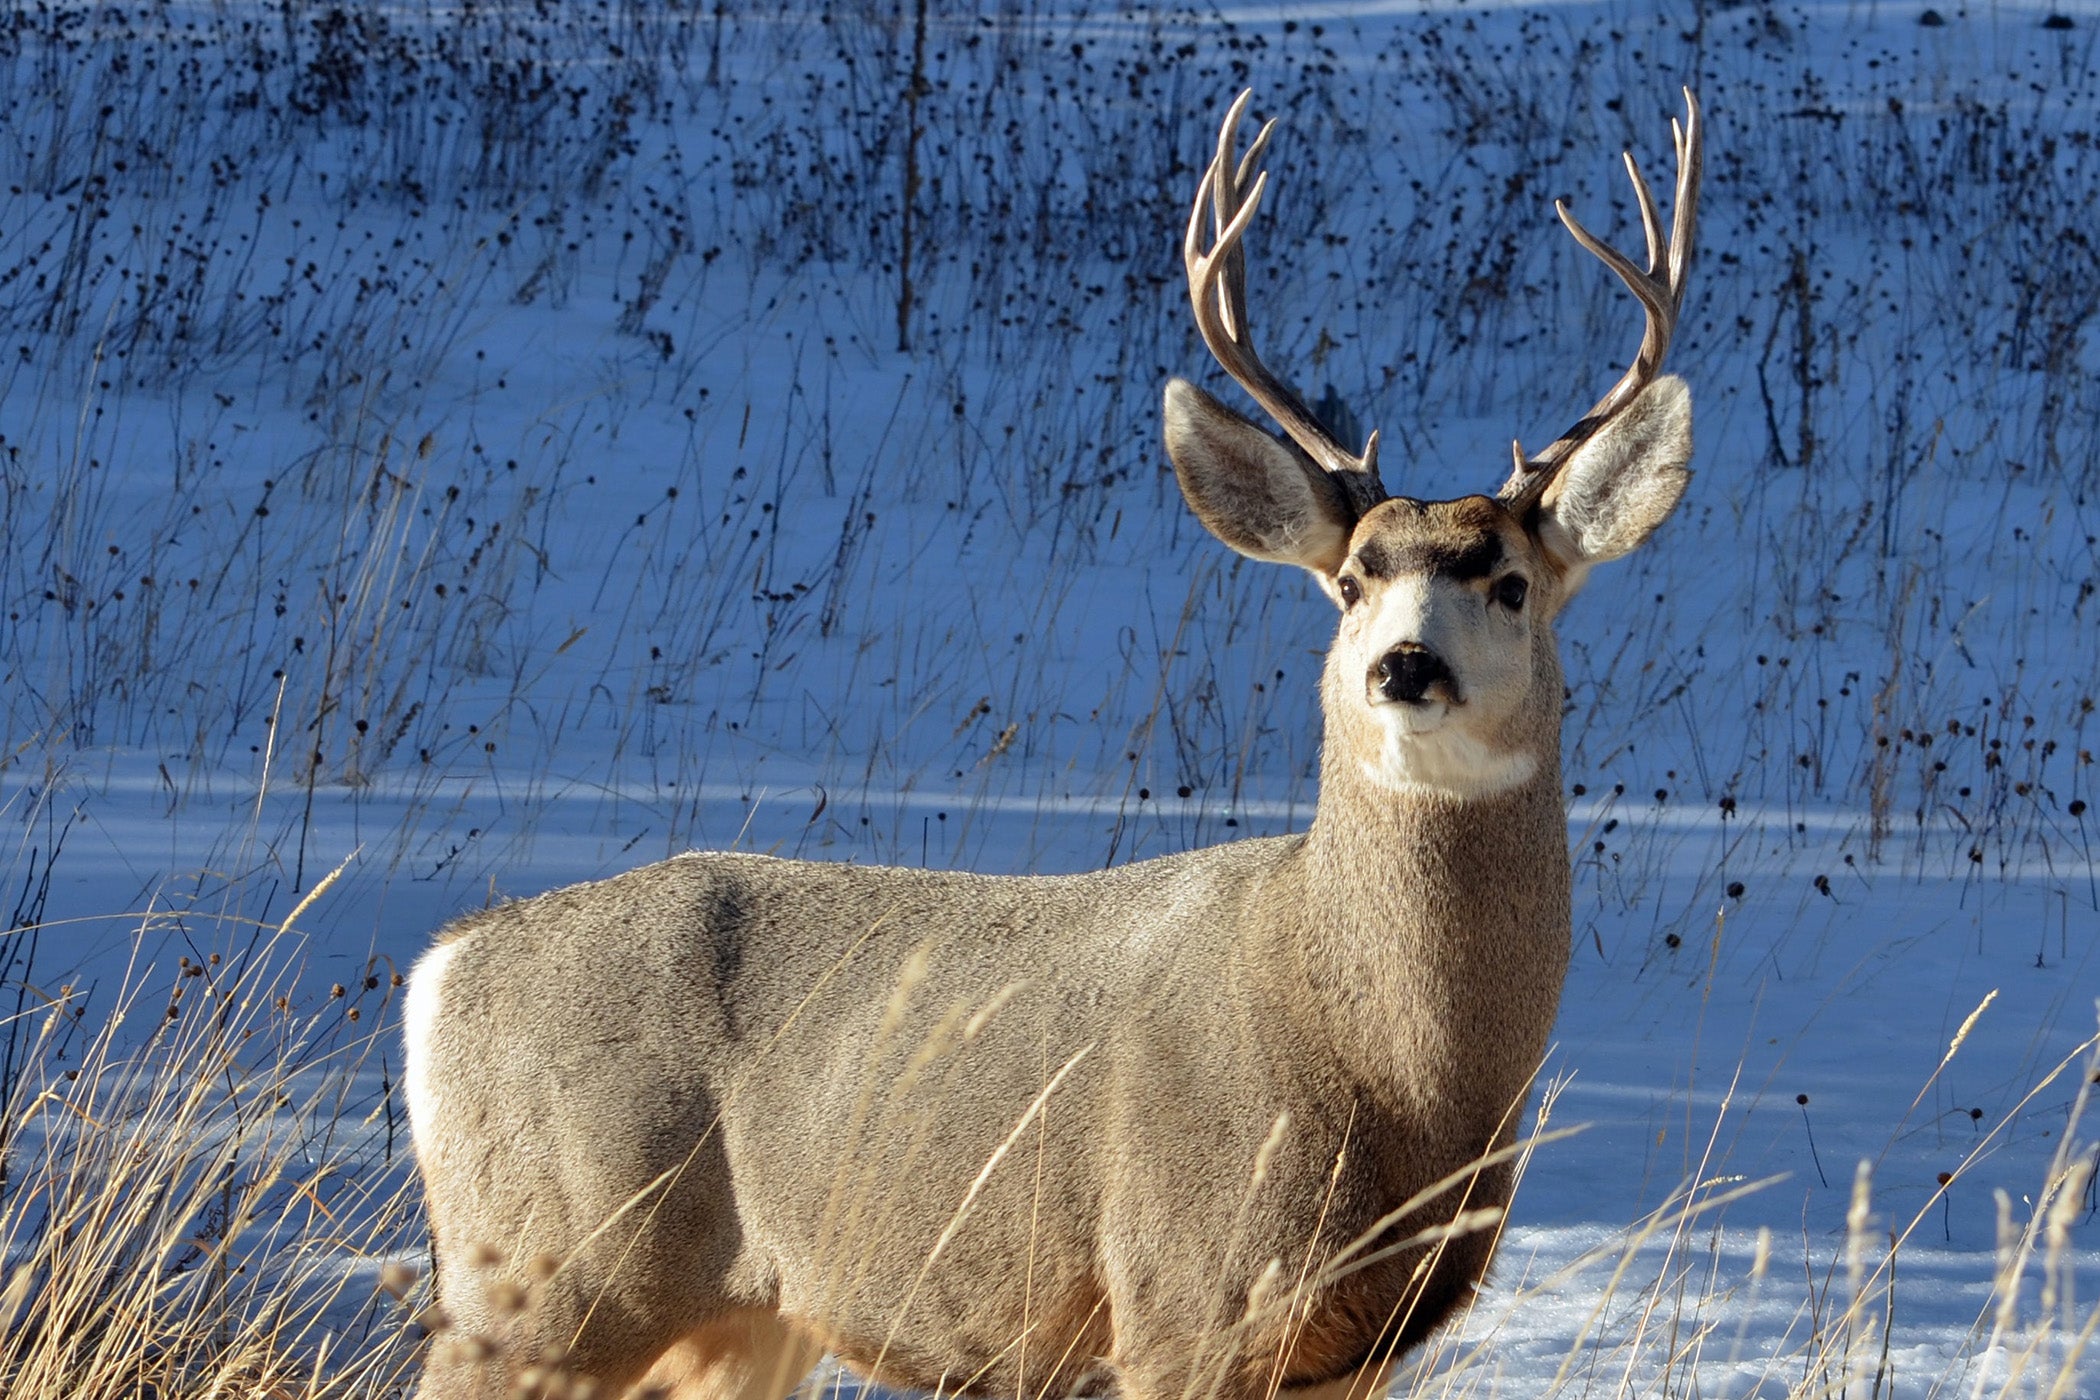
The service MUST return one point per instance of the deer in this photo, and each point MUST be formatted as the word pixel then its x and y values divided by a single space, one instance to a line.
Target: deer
pixel 1229 1124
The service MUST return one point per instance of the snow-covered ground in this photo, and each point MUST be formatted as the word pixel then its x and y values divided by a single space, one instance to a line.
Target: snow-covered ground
pixel 473 448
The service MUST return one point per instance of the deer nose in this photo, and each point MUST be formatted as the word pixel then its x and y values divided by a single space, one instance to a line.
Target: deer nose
pixel 1407 671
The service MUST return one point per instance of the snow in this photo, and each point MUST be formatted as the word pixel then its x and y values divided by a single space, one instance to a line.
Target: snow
pixel 595 330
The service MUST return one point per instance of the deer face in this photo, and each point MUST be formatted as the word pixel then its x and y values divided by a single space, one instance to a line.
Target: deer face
pixel 1444 675
pixel 1436 648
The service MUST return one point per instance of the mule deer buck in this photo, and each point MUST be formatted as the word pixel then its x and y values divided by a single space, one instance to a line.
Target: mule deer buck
pixel 1205 1127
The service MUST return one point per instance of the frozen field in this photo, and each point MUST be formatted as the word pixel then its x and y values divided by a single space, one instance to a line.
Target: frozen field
pixel 468 450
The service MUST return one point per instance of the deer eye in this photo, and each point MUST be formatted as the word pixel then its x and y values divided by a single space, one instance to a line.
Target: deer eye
pixel 1352 592
pixel 1509 591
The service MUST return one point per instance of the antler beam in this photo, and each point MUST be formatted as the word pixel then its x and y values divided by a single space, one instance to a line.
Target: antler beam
pixel 1218 290
pixel 1659 287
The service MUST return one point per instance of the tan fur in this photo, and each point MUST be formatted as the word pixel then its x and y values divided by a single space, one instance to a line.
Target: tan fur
pixel 750 1355
pixel 1146 1129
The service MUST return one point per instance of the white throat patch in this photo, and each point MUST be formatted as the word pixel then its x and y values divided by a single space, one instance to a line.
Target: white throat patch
pixel 1443 762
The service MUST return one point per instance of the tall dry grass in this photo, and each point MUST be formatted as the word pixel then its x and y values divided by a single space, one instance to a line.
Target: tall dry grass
pixel 1678 1303
pixel 203 1192
pixel 206 1193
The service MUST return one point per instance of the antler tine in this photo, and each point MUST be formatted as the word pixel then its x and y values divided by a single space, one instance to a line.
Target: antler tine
pixel 1651 221
pixel 1233 288
pixel 1684 208
pixel 1218 292
pixel 1659 288
pixel 1223 180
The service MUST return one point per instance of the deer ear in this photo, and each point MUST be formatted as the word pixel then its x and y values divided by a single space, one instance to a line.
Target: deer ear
pixel 1261 496
pixel 1622 483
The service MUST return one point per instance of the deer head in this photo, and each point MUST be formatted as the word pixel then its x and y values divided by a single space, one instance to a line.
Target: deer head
pixel 1444 676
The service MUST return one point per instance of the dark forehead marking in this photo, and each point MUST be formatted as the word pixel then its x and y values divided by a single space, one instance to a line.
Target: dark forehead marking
pixel 1376 560
pixel 1459 540
pixel 1471 561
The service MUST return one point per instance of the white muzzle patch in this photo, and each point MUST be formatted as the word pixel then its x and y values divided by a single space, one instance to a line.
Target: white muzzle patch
pixel 1426 748
pixel 1424 756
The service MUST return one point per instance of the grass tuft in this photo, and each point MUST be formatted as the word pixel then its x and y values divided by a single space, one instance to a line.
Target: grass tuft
pixel 201 1188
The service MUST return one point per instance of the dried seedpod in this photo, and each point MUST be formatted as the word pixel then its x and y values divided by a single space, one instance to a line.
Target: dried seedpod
pixel 397 1278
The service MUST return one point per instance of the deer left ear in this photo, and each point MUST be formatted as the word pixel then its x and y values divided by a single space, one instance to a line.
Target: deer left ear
pixel 1617 487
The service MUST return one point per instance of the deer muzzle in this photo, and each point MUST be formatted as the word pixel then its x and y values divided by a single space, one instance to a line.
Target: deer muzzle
pixel 1408 673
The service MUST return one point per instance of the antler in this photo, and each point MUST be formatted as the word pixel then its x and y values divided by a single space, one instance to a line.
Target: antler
pixel 1660 289
pixel 1218 290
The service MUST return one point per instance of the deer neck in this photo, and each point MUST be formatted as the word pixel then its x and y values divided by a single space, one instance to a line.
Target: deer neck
pixel 1431 930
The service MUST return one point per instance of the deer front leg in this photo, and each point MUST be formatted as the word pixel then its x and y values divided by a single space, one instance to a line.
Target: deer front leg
pixel 751 1355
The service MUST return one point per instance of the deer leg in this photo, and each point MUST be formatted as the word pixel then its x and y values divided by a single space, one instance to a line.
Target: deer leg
pixel 537 1327
pixel 750 1355
pixel 1367 1384
pixel 556 1341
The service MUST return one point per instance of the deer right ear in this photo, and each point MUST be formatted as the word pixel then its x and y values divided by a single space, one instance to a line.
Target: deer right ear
pixel 1260 496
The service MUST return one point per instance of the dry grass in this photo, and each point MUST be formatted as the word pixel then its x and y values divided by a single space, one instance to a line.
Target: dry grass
pixel 1677 1304
pixel 1681 1305
pixel 200 1191
pixel 204 1196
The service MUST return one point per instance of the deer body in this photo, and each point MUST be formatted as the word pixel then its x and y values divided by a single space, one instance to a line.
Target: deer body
pixel 1261 988
pixel 1206 1125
